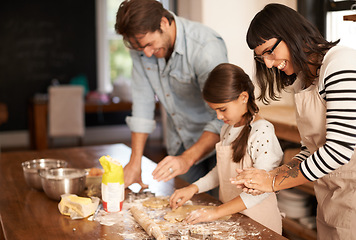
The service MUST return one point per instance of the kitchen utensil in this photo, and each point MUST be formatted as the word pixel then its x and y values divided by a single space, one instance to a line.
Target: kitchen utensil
pixel 32 168
pixel 56 182
pixel 147 223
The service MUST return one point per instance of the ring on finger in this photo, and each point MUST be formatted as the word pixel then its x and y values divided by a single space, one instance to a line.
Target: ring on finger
pixel 170 170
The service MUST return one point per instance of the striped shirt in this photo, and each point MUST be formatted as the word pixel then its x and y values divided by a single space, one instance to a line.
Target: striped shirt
pixel 338 89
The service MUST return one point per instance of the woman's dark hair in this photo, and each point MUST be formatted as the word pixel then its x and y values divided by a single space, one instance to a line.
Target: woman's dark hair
pixel 140 17
pixel 225 84
pixel 304 41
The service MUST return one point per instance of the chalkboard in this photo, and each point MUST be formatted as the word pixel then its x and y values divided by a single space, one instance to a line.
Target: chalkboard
pixel 42 40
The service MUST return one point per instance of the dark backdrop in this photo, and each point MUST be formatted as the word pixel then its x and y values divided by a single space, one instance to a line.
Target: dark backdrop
pixel 42 40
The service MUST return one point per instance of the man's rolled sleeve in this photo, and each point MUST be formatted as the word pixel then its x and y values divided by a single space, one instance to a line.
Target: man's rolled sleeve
pixel 141 125
pixel 214 126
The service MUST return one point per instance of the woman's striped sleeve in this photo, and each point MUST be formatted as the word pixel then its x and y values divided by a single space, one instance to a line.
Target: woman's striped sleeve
pixel 339 92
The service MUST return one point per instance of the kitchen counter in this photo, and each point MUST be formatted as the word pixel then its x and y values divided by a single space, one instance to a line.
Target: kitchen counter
pixel 29 214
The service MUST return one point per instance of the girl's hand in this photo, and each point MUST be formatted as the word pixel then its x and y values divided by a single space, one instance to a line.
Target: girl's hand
pixel 252 191
pixel 202 215
pixel 254 180
pixel 180 196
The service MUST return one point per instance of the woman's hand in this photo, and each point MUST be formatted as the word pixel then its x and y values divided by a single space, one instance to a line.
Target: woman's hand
pixel 180 196
pixel 202 215
pixel 255 180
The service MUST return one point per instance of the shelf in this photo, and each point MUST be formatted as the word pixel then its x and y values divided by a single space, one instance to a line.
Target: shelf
pixel 350 17
pixel 296 228
pixel 307 188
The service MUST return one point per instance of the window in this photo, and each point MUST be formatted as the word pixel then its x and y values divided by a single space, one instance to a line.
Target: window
pixel 113 57
pixel 336 27
pixel 114 60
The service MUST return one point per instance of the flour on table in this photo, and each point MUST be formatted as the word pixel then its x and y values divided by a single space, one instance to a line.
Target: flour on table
pixel 179 214
pixel 156 202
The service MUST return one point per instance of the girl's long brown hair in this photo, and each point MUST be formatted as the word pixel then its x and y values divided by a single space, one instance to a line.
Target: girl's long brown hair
pixel 225 84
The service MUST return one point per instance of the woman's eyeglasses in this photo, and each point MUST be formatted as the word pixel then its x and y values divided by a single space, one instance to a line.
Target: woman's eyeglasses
pixel 267 54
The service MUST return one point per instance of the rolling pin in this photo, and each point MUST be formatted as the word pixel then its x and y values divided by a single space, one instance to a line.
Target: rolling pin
pixel 147 223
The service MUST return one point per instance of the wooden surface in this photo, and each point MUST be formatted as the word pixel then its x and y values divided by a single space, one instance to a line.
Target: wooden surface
pixel 284 120
pixel 38 122
pixel 29 214
pixel 350 17
pixel 299 230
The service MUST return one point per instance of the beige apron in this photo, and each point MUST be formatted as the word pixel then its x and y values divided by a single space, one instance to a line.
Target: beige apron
pixel 266 212
pixel 335 192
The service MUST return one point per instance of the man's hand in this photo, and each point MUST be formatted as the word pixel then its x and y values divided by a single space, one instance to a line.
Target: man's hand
pixel 170 167
pixel 132 174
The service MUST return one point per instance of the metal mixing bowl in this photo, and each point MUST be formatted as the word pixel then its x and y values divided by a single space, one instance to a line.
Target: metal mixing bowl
pixel 56 182
pixel 32 168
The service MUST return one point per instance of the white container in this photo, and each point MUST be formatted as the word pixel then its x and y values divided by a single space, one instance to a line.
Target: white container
pixel 112 186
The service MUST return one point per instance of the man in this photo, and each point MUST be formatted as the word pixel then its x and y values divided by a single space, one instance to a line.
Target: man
pixel 172 58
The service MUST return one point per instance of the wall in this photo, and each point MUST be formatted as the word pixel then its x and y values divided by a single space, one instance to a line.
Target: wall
pixel 228 17
pixel 231 19
pixel 40 41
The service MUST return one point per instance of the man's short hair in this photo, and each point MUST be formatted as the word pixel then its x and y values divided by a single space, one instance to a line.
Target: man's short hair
pixel 140 17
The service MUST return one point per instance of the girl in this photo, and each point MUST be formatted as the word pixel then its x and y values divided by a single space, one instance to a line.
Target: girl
pixel 245 140
pixel 289 49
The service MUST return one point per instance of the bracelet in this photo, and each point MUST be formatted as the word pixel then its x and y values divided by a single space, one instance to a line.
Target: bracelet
pixel 273 181
pixel 288 166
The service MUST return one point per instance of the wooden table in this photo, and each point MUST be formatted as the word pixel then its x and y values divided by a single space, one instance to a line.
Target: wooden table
pixel 38 118
pixel 29 214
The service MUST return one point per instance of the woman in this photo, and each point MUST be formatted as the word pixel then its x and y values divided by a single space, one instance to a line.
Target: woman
pixel 245 140
pixel 289 50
